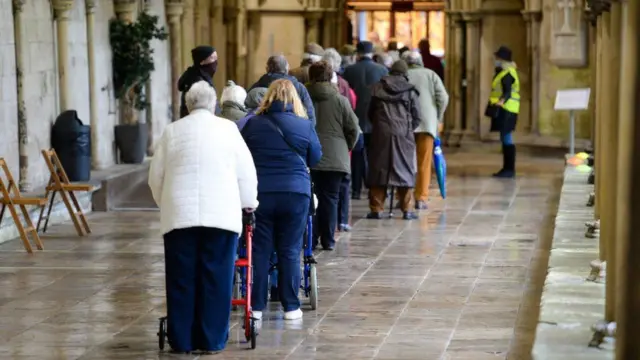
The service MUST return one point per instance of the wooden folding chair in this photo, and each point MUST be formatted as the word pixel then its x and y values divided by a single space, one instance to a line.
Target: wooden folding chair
pixel 59 183
pixel 10 197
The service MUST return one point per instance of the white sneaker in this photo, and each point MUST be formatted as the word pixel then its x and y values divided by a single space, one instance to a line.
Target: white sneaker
pixel 293 315
pixel 256 315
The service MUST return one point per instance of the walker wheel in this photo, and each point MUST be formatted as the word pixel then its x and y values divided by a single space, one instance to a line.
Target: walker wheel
pixel 313 284
pixel 253 333
pixel 162 332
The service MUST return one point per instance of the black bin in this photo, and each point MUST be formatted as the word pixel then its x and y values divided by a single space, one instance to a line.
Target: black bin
pixel 71 139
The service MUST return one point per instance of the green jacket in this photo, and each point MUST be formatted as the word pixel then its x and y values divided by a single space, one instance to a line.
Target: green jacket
pixel 336 125
pixel 233 111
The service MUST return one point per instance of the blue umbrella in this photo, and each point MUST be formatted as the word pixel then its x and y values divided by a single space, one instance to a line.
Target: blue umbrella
pixel 441 167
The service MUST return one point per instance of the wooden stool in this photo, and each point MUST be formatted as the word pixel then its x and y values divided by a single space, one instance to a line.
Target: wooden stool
pixel 10 197
pixel 59 182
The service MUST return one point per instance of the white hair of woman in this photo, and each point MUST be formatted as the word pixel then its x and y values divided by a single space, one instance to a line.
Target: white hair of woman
pixel 387 59
pixel 412 58
pixel 201 95
pixel 333 58
pixel 234 93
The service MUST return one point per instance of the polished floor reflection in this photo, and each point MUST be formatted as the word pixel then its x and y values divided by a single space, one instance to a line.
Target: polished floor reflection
pixel 459 283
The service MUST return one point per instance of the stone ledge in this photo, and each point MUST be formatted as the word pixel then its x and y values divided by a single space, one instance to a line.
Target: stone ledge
pixel 570 305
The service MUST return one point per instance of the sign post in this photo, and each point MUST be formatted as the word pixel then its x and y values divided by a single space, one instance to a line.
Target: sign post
pixel 572 100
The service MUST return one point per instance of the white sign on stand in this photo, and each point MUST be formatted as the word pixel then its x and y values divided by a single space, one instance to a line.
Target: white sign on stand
pixel 572 100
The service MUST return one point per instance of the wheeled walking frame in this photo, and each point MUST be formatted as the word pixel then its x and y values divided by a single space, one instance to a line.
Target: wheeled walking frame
pixel 243 267
pixel 309 284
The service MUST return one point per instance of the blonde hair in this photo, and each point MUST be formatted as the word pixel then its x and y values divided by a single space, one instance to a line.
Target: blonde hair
pixel 282 90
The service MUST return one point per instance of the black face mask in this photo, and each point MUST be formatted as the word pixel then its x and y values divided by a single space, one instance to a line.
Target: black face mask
pixel 210 69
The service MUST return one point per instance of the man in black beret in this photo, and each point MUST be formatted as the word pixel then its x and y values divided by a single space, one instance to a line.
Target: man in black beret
pixel 205 64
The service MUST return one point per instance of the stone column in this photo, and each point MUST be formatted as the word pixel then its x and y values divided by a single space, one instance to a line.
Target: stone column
pixel 23 126
pixel 472 89
pixel 252 44
pixel 174 11
pixel 202 18
pixel 148 93
pixel 533 18
pixel 328 29
pixel 610 100
pixel 90 7
pixel 628 271
pixel 230 20
pixel 598 132
pixel 62 10
pixel 218 36
pixel 125 9
pixel 313 26
pixel 362 26
pixel 455 87
pixel 188 32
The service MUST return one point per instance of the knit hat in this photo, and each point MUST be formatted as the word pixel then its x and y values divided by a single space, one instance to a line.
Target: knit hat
pixel 233 93
pixel 314 49
pixel 201 53
pixel 400 67
pixel 364 47
pixel 348 50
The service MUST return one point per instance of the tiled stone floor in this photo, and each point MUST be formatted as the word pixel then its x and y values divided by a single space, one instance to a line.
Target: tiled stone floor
pixel 461 283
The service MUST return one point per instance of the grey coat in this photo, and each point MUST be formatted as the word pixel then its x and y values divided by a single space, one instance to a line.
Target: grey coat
pixel 433 99
pixel 233 111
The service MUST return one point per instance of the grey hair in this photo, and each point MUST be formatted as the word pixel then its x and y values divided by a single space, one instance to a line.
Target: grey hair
pixel 412 58
pixel 277 64
pixel 332 56
pixel 201 95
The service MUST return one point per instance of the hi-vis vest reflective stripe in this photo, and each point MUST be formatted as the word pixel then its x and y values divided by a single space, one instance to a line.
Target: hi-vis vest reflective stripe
pixel 513 104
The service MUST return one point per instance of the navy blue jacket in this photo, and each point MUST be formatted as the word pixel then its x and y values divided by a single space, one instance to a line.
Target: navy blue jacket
pixel 279 168
pixel 361 76
pixel 268 78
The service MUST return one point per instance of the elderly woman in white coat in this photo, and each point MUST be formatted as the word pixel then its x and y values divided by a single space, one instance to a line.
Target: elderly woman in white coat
pixel 202 176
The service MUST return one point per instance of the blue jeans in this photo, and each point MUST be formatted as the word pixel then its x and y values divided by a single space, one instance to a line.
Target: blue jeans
pixel 344 200
pixel 199 278
pixel 506 138
pixel 281 219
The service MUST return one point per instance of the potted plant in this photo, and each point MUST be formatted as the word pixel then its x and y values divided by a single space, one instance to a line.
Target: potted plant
pixel 132 67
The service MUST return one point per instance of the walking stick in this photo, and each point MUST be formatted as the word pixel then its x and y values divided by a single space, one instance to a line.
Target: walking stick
pixel 391 202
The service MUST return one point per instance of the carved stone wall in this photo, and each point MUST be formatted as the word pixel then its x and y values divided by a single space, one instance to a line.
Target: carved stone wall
pixel 568 33
pixel 561 72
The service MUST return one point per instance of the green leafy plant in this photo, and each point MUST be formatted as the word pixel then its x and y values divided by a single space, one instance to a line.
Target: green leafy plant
pixel 133 60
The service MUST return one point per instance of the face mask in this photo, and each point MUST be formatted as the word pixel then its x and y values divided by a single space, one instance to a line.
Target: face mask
pixel 211 68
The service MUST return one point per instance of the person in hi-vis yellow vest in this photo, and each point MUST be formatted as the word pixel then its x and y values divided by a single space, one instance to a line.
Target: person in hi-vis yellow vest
pixel 503 108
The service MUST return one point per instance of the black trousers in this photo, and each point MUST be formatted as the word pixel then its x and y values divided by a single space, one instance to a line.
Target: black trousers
pixel 344 200
pixel 359 166
pixel 199 265
pixel 327 187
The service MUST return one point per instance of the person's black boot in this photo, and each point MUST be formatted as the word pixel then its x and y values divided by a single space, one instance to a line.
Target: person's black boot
pixel 504 162
pixel 509 171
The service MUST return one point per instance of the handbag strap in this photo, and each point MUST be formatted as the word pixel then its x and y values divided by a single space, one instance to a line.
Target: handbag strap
pixel 275 126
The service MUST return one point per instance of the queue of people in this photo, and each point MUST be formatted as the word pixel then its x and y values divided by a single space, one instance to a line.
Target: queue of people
pixel 340 120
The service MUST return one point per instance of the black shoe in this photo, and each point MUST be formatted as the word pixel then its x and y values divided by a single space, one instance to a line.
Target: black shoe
pixel 344 227
pixel 509 157
pixel 374 215
pixel 355 197
pixel 409 215
pixel 505 174
pixel 327 248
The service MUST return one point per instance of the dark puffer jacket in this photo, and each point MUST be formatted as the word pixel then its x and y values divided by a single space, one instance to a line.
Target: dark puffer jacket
pixel 268 78
pixel 191 76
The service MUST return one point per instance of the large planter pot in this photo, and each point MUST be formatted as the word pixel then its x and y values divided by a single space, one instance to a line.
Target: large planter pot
pixel 131 141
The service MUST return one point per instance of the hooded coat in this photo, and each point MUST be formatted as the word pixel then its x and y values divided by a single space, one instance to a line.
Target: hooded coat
pixel 233 111
pixel 196 73
pixel 394 115
pixel 337 127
